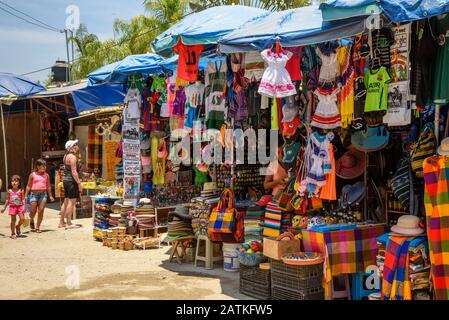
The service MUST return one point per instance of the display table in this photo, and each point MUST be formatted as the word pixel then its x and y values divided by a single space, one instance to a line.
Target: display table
pixel 345 251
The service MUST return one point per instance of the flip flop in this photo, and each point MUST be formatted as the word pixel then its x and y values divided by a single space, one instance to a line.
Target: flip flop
pixel 14 237
pixel 38 231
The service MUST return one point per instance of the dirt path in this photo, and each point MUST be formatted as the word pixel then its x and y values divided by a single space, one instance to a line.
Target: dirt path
pixel 40 266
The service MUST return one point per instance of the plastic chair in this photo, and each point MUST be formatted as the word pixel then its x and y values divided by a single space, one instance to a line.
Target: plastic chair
pixel 343 294
pixel 209 256
pixel 358 290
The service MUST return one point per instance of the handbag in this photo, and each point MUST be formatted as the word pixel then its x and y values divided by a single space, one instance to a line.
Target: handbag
pixel 285 199
pixel 222 218
pixel 424 148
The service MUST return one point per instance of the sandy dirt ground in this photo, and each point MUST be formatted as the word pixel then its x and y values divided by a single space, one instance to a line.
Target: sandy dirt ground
pixel 43 266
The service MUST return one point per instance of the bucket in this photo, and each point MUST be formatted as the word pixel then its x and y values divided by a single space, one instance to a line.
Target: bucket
pixel 230 257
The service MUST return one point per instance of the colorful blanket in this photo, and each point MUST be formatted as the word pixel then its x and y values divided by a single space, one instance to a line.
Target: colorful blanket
pixel 436 201
pixel 345 251
pixel 395 280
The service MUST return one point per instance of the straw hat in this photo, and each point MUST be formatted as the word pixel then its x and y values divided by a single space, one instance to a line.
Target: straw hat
pixel 407 225
pixel 350 165
pixel 443 149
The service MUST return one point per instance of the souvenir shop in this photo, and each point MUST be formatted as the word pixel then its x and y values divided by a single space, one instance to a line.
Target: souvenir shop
pixel 355 192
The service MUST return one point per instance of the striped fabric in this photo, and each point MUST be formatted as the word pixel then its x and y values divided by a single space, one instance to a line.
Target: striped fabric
pixel 272 223
pixel 401 183
pixel 395 279
pixel 425 147
pixel 436 201
pixel 345 251
pixel 94 151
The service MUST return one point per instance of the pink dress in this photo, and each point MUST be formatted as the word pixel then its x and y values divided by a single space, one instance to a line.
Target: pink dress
pixel 15 202
pixel 276 81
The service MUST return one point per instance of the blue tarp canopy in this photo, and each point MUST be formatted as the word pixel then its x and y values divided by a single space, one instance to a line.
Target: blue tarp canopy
pixel 206 27
pixel 171 64
pixel 102 95
pixel 292 27
pixel 118 72
pixel 397 11
pixel 11 84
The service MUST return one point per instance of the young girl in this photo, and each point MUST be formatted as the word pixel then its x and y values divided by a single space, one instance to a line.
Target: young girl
pixel 39 188
pixel 16 202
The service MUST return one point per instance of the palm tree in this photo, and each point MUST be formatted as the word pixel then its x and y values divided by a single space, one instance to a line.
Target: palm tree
pixel 272 5
pixel 164 13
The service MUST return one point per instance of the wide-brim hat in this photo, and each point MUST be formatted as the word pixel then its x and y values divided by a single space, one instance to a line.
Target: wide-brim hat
pixel 407 225
pixel 371 139
pixel 443 149
pixel 351 164
pixel 355 193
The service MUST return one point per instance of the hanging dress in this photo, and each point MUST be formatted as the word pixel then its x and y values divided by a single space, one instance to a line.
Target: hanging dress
pixel 276 81
pixel 326 114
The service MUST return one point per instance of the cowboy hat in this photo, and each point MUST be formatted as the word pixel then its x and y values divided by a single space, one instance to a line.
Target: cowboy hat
pixel 350 165
pixel 407 225
pixel 371 139
pixel 443 149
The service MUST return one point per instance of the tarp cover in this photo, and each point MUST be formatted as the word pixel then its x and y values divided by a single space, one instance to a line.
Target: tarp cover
pixel 11 84
pixel 118 72
pixel 292 27
pixel 206 27
pixel 103 95
pixel 398 11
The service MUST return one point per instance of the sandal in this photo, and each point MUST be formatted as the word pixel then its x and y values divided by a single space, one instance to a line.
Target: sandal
pixel 62 225
pixel 38 231
pixel 13 236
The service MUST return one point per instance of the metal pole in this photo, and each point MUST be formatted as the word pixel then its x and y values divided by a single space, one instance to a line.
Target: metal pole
pixel 68 56
pixel 4 144
pixel 437 123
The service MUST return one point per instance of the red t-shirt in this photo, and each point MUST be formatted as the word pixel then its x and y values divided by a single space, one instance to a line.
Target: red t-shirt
pixel 189 56
pixel 294 64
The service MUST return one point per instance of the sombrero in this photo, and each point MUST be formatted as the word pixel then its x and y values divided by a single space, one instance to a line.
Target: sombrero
pixel 350 165
pixel 371 139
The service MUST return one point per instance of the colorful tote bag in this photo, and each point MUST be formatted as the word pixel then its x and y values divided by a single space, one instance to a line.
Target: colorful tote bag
pixel 222 218
pixel 424 148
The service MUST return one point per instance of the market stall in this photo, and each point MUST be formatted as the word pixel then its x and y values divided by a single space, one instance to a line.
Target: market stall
pixel 351 117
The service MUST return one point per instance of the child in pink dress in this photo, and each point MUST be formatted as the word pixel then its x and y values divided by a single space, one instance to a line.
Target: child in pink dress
pixel 16 202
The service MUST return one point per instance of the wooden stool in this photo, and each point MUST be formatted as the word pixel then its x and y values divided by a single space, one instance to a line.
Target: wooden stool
pixel 145 232
pixel 346 293
pixel 175 253
pixel 209 258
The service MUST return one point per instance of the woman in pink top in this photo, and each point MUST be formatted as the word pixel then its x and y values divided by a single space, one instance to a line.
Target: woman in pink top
pixel 38 188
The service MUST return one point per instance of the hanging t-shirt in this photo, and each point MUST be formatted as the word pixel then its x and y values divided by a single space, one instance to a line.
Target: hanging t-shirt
pixel 133 100
pixel 294 64
pixel 254 66
pixel 158 84
pixel 136 81
pixel 399 108
pixel 376 83
pixel 195 95
pixel 382 40
pixel 189 56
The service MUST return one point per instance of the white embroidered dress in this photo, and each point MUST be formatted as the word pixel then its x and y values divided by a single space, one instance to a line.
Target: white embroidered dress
pixel 276 81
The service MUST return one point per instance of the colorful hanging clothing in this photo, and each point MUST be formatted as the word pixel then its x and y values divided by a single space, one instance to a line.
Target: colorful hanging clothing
pixel 329 66
pixel 254 66
pixel 376 83
pixel 326 114
pixel 189 56
pixel 136 81
pixel 318 161
pixel 436 201
pixel 276 81
pixel 329 190
pixel 294 64
pixel 347 76
pixel 395 281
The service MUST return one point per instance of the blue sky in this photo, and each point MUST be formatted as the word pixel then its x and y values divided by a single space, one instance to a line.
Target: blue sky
pixel 25 48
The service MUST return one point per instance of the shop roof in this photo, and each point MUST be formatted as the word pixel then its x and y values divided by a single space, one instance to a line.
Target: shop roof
pixel 118 72
pixel 206 27
pixel 294 27
pixel 397 11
